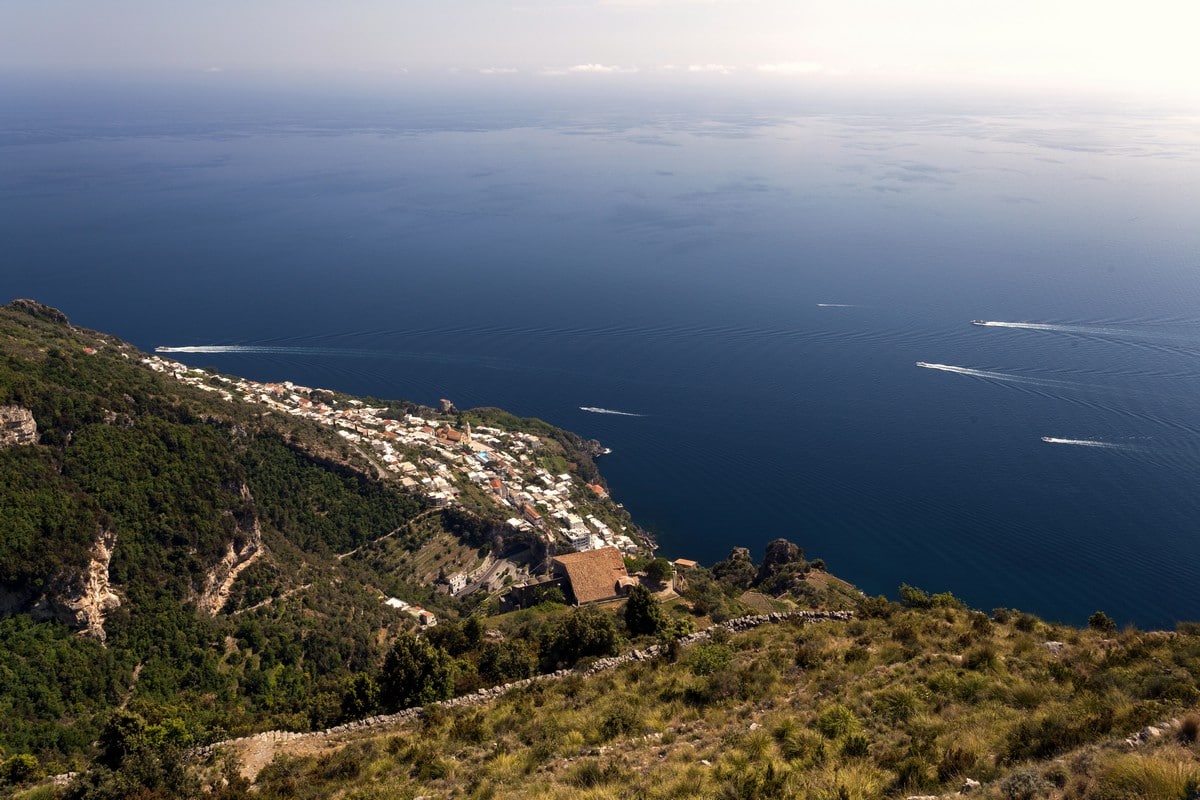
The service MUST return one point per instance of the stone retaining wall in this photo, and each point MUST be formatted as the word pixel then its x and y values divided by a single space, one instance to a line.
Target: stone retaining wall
pixel 491 693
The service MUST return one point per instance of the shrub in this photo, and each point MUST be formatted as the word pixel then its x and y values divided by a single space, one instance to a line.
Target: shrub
pixel 706 659
pixel 912 772
pixel 895 705
pixel 1100 621
pixel 1189 729
pixel 1026 623
pixel 980 623
pixel 856 745
pixel 1024 784
pixel 622 720
pixel 836 721
pixel 808 654
pixel 982 658
pixel 913 597
pixel 589 773
pixel 19 769
pixel 1148 778
pixel 956 762
pixel 875 608
pixel 798 744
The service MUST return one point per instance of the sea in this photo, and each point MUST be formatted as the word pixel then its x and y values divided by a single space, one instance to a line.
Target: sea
pixel 766 300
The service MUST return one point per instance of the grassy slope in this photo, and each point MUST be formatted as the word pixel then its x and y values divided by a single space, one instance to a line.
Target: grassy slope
pixel 910 704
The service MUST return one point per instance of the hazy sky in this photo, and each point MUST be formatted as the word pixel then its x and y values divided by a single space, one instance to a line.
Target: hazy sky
pixel 1139 45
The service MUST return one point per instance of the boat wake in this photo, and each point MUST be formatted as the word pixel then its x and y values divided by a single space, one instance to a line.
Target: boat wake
pixel 594 410
pixel 254 348
pixel 989 375
pixel 835 305
pixel 1085 330
pixel 1084 443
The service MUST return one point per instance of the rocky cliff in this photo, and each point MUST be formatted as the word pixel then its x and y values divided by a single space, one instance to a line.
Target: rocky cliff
pixel 82 601
pixel 242 551
pixel 17 427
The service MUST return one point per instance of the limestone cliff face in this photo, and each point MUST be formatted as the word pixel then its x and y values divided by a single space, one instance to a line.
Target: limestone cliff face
pixel 220 579
pixel 17 427
pixel 82 601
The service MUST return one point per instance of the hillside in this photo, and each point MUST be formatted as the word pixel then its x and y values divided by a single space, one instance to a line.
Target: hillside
pixel 926 700
pixel 216 561
pixel 897 702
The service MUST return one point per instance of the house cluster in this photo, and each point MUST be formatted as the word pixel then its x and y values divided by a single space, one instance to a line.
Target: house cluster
pixel 438 460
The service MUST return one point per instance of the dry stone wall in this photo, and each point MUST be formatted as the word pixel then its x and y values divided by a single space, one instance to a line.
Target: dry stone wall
pixel 489 694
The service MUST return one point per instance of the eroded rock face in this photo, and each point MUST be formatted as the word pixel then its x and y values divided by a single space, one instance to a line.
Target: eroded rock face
pixel 40 310
pixel 82 601
pixel 17 427
pixel 220 579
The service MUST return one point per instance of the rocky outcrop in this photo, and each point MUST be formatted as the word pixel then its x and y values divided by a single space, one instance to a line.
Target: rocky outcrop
pixel 243 550
pixel 40 310
pixel 593 448
pixel 781 556
pixel 17 427
pixel 82 601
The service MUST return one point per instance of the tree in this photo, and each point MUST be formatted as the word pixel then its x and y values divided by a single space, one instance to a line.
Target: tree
pixel 361 696
pixel 659 570
pixel 643 615
pixel 500 662
pixel 415 673
pixel 737 571
pixel 19 769
pixel 913 597
pixel 580 633
pixel 1102 622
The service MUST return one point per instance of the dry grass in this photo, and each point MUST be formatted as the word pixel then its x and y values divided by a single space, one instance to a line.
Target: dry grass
pixel 911 704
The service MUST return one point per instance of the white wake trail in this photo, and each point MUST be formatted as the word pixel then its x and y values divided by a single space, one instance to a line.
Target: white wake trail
pixel 988 374
pixel 835 305
pixel 1086 330
pixel 594 410
pixel 249 348
pixel 1084 443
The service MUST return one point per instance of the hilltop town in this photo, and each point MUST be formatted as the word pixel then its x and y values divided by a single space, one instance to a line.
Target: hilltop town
pixel 449 466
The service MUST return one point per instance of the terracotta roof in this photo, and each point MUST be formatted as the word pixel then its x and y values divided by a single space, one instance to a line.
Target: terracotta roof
pixel 685 563
pixel 593 574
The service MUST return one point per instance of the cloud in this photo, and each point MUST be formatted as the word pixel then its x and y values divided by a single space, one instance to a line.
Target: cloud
pixel 498 71
pixel 794 68
pixel 213 69
pixel 602 69
pixel 718 68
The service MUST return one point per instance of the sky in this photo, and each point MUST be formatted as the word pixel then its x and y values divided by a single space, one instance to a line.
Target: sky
pixel 1132 46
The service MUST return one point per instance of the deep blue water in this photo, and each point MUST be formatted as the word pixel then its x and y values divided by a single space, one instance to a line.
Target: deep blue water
pixel 755 277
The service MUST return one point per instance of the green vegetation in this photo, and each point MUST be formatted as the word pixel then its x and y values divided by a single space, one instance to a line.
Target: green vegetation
pixel 177 478
pixel 907 701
